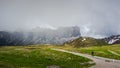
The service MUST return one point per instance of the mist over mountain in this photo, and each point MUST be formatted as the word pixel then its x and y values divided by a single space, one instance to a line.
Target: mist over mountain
pixel 40 36
pixel 96 18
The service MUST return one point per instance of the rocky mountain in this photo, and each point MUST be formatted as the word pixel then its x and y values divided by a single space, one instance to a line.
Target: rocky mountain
pixel 39 36
pixel 85 42
pixel 88 41
pixel 114 39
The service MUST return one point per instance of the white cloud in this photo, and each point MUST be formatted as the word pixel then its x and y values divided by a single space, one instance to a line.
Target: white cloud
pixel 103 16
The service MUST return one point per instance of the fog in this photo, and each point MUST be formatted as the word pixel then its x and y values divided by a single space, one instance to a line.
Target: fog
pixel 96 18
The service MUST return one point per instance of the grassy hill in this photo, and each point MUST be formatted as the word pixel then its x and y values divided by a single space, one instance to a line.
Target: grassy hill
pixel 108 51
pixel 39 57
pixel 86 41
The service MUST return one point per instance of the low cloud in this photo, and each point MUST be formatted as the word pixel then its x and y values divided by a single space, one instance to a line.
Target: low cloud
pixel 96 18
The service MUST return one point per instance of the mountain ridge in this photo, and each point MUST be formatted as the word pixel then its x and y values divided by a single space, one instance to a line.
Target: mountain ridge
pixel 39 36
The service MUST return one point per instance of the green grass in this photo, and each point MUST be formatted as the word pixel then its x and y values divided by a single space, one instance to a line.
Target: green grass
pixel 102 51
pixel 39 57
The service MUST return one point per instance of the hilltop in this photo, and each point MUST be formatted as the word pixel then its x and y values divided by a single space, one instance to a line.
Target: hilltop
pixel 86 41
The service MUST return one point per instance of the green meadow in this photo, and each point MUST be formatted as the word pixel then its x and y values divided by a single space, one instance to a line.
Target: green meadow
pixel 107 51
pixel 42 56
pixel 39 57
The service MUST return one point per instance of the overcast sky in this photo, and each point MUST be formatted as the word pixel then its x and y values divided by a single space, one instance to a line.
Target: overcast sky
pixel 95 18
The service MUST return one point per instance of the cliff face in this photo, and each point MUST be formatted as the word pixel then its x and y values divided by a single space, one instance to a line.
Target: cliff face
pixel 39 36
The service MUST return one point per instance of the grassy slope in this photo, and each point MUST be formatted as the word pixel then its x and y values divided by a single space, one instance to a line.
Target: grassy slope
pixel 102 51
pixel 38 57
pixel 85 42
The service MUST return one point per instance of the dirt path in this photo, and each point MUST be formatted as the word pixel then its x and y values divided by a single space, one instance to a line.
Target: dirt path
pixel 114 52
pixel 100 61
